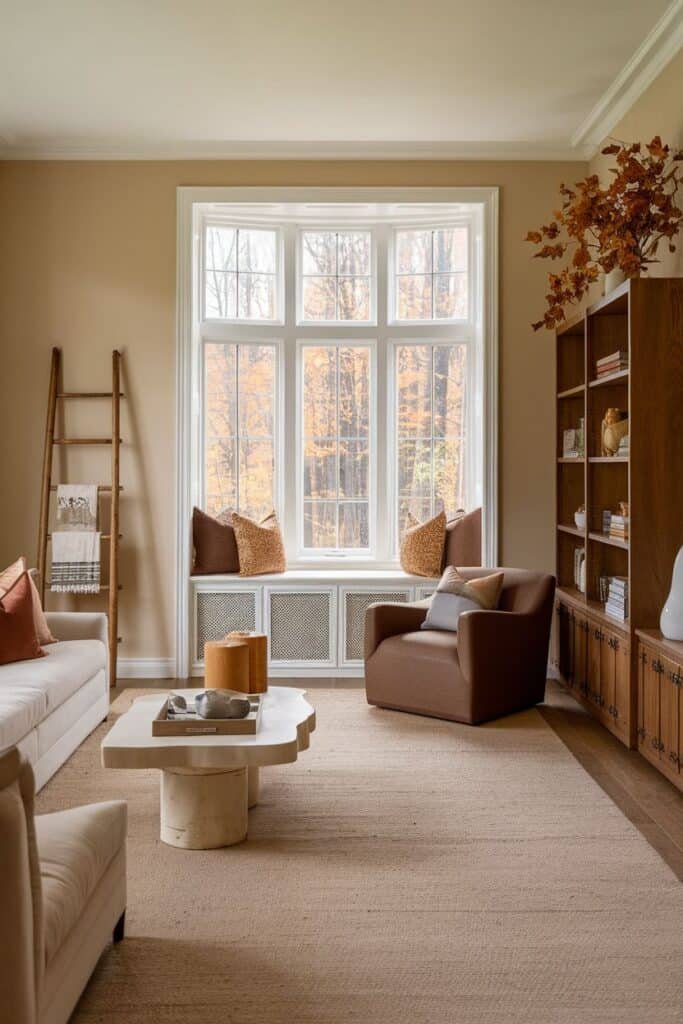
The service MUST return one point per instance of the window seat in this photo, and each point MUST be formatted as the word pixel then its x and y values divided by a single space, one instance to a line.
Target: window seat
pixel 314 618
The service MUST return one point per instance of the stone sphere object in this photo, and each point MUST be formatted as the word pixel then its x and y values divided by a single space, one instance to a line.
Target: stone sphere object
pixel 218 704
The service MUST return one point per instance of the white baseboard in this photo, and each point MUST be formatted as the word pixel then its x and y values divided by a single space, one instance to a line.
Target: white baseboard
pixel 145 668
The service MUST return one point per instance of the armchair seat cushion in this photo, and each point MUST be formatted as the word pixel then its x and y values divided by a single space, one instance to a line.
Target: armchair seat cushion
pixel 429 645
pixel 75 847
pixel 22 708
pixel 67 665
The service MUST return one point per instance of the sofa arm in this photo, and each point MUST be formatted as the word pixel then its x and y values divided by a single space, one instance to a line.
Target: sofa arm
pixel 385 620
pixel 78 626
pixel 503 648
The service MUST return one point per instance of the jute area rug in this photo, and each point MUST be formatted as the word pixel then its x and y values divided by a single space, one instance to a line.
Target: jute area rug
pixel 404 869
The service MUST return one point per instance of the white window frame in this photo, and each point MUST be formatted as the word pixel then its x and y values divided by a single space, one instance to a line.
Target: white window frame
pixel 266 203
pixel 237 225
pixel 306 555
pixel 278 404
pixel 392 317
pixel 337 228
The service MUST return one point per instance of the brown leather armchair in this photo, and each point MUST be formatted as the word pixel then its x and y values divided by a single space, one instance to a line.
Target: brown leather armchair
pixel 495 664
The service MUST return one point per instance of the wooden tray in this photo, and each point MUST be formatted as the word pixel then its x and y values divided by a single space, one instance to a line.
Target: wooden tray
pixel 195 725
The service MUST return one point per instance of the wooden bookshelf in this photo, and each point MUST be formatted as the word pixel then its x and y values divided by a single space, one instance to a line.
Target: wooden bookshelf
pixel 595 653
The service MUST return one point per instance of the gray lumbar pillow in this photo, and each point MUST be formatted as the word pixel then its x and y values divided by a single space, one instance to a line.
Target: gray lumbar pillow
pixel 455 595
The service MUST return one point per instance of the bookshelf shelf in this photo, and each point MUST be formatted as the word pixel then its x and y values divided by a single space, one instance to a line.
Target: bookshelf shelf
pixel 604 538
pixel 597 655
pixel 610 378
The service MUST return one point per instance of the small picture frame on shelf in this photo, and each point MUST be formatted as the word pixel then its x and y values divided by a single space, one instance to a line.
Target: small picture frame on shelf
pixel 570 448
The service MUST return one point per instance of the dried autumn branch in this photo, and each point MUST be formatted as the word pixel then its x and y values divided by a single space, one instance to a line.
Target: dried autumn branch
pixel 619 226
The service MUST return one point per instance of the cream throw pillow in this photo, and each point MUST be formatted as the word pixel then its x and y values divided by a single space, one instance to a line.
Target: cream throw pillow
pixel 455 595
pixel 8 578
pixel 260 546
pixel 422 545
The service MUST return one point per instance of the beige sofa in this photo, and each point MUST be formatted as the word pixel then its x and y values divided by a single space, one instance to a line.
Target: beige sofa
pixel 49 705
pixel 64 897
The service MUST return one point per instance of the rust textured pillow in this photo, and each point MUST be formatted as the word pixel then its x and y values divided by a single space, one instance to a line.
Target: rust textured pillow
pixel 18 640
pixel 215 547
pixel 260 545
pixel 9 576
pixel 422 545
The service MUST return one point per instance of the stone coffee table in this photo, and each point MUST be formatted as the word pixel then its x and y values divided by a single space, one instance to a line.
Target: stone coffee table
pixel 209 782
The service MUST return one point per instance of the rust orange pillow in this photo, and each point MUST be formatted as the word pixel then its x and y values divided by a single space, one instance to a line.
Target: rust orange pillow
pixel 9 576
pixel 260 545
pixel 422 545
pixel 18 640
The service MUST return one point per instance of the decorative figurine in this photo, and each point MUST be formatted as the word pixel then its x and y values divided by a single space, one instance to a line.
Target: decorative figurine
pixel 219 704
pixel 614 427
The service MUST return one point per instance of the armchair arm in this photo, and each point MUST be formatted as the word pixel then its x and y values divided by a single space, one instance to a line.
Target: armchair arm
pixel 78 625
pixel 385 620
pixel 503 647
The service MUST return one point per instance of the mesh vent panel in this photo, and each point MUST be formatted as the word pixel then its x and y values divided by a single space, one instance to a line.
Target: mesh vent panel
pixel 218 614
pixel 300 627
pixel 355 607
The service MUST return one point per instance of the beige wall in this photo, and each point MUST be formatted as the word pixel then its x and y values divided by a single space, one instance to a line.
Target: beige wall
pixel 87 262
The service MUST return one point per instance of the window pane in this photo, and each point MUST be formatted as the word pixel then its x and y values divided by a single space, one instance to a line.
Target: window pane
pixel 220 249
pixel 353 469
pixel 320 469
pixel 256 297
pixel 354 531
pixel 319 298
pixel 220 406
pixel 257 390
pixel 354 298
pixel 256 472
pixel 414 297
pixel 220 294
pixel 414 384
pixel 414 469
pixel 450 296
pixel 421 508
pixel 257 251
pixel 320 524
pixel 220 474
pixel 320 391
pixel 354 253
pixel 413 252
pixel 354 391
pixel 319 252
pixel 450 250
pixel 450 366
pixel 448 475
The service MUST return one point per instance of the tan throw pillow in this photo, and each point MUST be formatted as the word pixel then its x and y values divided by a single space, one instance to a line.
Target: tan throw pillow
pixel 422 545
pixel 7 580
pixel 455 595
pixel 260 545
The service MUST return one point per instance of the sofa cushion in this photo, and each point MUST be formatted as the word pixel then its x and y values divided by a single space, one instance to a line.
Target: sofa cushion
pixel 22 708
pixel 75 848
pixel 66 666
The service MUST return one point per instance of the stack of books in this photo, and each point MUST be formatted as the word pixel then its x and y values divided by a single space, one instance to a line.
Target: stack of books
pixel 606 520
pixel 617 599
pixel 611 364
pixel 618 527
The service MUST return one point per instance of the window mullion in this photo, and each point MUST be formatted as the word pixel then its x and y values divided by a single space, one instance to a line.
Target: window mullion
pixel 237 427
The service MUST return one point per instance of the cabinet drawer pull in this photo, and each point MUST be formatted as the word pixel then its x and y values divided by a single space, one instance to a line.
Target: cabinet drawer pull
pixel 640 732
pixel 657 666
pixel 643 657
pixel 673 757
pixel 674 677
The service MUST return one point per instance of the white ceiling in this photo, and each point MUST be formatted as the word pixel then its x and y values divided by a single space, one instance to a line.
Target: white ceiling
pixel 199 78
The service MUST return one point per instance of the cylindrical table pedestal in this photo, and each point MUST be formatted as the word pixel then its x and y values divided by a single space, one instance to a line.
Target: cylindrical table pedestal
pixel 202 809
pixel 253 786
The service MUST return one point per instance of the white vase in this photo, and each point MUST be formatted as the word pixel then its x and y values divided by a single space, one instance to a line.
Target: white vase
pixel 671 619
pixel 614 278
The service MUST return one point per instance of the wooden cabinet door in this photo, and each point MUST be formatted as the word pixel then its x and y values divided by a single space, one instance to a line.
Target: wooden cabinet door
pixel 595 635
pixel 649 668
pixel 669 716
pixel 580 652
pixel 621 714
pixel 608 670
pixel 566 640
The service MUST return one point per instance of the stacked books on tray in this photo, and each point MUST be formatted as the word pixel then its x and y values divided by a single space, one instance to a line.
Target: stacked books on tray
pixel 618 527
pixel 611 364
pixel 617 598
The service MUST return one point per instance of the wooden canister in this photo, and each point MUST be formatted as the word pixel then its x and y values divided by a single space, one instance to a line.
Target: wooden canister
pixel 226 665
pixel 258 658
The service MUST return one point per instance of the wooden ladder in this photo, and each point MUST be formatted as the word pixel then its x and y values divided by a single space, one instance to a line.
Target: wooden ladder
pixel 113 537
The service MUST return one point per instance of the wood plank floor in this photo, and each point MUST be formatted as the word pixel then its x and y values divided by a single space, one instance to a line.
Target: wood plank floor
pixel 650 803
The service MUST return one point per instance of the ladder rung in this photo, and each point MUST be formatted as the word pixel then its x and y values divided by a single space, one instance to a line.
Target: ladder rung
pixel 103 536
pixel 88 394
pixel 84 440
pixel 100 487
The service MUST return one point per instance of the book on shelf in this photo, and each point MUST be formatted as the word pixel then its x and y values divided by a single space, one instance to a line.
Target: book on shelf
pixel 618 527
pixel 617 598
pixel 611 364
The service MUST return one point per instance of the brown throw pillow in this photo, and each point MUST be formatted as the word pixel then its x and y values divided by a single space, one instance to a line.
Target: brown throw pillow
pixel 9 576
pixel 215 547
pixel 463 539
pixel 422 545
pixel 18 640
pixel 260 545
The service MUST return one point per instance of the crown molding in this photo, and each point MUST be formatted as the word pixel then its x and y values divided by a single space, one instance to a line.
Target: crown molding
pixel 129 150
pixel 659 47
